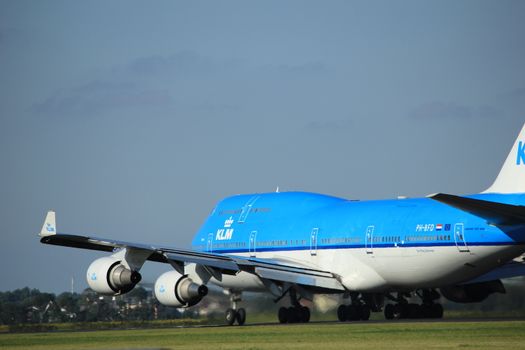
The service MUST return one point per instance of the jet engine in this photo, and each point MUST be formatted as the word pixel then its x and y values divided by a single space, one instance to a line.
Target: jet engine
pixel 174 289
pixel 108 276
pixel 472 293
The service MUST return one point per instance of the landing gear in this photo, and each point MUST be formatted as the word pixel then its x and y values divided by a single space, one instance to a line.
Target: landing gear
pixel 399 311
pixel 241 316
pixel 234 314
pixel 428 309
pixel 296 313
pixel 358 310
pixel 230 316
pixel 353 312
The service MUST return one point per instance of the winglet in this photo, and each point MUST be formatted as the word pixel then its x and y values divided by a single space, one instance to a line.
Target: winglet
pixel 49 228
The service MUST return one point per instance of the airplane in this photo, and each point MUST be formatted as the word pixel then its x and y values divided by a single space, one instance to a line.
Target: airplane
pixel 376 254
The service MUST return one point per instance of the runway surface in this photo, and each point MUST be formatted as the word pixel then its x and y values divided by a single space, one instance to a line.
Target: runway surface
pixel 371 322
pixel 479 333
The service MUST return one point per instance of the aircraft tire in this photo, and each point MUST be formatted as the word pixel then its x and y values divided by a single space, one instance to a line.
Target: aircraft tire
pixel 341 313
pixel 426 311
pixel 352 313
pixel 240 316
pixel 412 311
pixel 389 311
pixel 282 315
pixel 437 311
pixel 398 311
pixel 420 311
pixel 305 314
pixel 365 313
pixel 230 316
pixel 294 315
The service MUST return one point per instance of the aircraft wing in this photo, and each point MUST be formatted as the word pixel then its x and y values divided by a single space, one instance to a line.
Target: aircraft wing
pixel 495 213
pixel 268 269
pixel 513 268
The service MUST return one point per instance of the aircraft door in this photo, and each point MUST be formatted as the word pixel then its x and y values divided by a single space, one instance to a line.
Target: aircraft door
pixel 459 237
pixel 313 241
pixel 209 244
pixel 369 238
pixel 253 241
pixel 246 209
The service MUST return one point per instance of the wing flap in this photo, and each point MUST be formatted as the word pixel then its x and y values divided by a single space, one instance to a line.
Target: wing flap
pixel 218 262
pixel 495 213
pixel 299 278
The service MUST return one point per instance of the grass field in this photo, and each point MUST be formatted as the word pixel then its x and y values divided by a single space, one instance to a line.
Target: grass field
pixel 395 335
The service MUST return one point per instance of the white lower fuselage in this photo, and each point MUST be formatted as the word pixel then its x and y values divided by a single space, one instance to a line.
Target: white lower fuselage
pixel 387 269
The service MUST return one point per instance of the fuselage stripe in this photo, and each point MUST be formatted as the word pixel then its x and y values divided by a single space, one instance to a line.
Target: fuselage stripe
pixel 362 246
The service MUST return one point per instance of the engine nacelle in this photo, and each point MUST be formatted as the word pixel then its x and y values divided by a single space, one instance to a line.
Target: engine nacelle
pixel 174 289
pixel 472 293
pixel 108 276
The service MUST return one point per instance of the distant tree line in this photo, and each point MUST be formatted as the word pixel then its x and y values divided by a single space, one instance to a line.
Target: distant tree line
pixel 32 306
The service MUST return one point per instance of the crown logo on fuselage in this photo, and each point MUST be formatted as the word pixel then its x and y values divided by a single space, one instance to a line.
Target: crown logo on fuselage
pixel 228 222
pixel 225 233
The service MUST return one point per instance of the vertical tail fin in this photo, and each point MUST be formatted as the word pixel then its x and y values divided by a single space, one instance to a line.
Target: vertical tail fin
pixel 511 178
pixel 50 227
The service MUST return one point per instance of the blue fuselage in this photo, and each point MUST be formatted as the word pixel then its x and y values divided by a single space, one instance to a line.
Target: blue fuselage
pixel 306 221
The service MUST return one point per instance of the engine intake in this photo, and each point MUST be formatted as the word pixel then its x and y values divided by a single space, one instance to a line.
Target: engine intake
pixel 109 276
pixel 174 289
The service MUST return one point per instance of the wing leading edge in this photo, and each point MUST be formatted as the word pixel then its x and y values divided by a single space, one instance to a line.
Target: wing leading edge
pixel 268 269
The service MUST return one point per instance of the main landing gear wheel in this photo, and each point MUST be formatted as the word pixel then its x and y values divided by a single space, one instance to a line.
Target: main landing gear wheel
pixel 341 313
pixel 282 315
pixel 413 311
pixel 353 312
pixel 233 316
pixel 429 307
pixel 294 314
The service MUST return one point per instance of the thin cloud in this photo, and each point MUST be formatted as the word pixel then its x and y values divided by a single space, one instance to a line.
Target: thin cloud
pixel 179 64
pixel 98 97
pixel 97 86
pixel 489 112
pixel 307 68
pixel 122 86
pixel 441 110
pixel 516 93
pixel 329 125
pixel 189 63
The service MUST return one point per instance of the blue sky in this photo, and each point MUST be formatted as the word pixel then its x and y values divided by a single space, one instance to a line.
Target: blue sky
pixel 131 119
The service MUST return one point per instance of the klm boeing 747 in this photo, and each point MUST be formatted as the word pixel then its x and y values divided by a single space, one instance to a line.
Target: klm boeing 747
pixel 377 254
